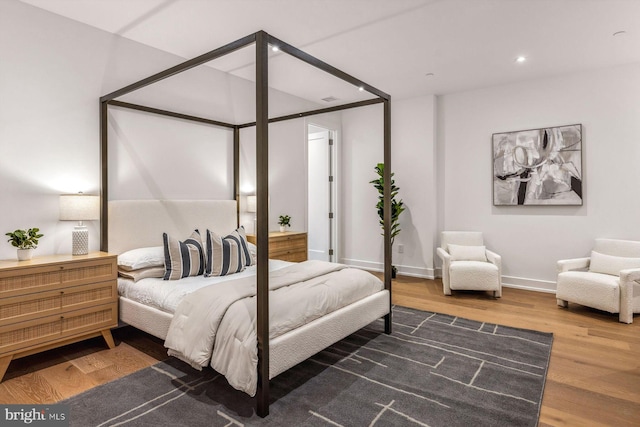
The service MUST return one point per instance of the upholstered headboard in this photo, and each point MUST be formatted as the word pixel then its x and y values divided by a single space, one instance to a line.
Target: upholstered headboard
pixel 140 223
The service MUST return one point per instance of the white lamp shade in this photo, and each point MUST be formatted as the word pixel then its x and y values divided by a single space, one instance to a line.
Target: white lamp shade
pixel 79 207
pixel 251 203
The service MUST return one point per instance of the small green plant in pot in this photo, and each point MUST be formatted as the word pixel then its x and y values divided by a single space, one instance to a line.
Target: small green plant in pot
pixel 397 207
pixel 25 240
pixel 284 221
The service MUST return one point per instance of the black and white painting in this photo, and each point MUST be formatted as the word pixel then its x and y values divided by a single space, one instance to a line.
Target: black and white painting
pixel 538 166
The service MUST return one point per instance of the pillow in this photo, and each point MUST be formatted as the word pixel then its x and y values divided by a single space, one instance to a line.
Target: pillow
pixel 136 259
pixel 467 253
pixel 183 259
pixel 142 273
pixel 609 264
pixel 227 255
pixel 253 250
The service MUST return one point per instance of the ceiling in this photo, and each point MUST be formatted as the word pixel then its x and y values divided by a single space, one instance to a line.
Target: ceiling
pixel 403 47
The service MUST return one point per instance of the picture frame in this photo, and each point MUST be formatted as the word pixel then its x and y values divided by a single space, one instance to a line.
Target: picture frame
pixel 538 166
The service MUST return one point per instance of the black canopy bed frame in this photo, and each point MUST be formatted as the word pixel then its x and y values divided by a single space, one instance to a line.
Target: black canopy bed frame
pixel 262 40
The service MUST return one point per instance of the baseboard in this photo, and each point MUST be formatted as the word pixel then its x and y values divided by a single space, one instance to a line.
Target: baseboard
pixel 521 283
pixel 405 270
pixel 529 284
pixel 431 273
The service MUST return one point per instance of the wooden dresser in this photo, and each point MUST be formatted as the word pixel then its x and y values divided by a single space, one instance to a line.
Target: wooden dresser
pixel 287 246
pixel 55 300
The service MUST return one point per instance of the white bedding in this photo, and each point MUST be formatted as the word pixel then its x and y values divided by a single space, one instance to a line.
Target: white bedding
pixel 165 295
pixel 216 325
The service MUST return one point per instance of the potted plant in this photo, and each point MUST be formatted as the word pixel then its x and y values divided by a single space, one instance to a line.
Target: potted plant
pixel 397 207
pixel 26 241
pixel 284 221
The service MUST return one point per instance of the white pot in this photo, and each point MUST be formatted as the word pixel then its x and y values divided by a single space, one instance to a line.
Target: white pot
pixel 25 254
pixel 282 228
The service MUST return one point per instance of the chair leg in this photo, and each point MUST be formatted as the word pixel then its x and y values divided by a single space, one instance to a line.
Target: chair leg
pixel 562 303
pixel 626 317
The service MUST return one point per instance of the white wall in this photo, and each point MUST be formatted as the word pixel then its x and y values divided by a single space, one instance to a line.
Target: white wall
pixel 53 71
pixel 154 157
pixel 531 239
pixel 360 242
pixel 412 159
pixel 287 173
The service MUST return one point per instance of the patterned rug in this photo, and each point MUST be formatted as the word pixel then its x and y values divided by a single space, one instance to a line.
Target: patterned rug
pixel 434 370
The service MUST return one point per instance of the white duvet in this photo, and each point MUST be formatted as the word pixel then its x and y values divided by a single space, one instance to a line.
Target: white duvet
pixel 216 326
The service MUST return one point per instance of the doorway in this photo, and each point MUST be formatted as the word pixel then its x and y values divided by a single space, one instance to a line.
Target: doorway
pixel 322 232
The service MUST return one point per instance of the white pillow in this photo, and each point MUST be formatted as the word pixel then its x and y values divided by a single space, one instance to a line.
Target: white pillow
pixel 141 258
pixel 253 250
pixel 609 264
pixel 467 253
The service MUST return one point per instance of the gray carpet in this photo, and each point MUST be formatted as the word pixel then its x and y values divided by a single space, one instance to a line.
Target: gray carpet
pixel 434 370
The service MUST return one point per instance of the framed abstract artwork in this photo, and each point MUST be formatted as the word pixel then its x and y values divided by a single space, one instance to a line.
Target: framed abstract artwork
pixel 538 166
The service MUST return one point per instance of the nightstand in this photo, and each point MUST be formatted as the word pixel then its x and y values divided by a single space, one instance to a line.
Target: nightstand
pixel 56 300
pixel 286 246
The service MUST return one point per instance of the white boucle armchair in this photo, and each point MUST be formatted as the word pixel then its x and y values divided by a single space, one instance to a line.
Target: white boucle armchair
pixel 608 280
pixel 467 264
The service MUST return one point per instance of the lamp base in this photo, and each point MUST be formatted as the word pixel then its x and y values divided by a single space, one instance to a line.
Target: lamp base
pixel 80 245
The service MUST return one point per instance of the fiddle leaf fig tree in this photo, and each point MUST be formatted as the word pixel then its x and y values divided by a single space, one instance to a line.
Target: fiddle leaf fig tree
pixel 397 207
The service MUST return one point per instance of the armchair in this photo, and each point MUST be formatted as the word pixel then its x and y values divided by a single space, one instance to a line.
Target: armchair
pixel 608 280
pixel 467 264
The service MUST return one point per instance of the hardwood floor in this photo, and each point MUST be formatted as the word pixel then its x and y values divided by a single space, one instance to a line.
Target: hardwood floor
pixel 593 378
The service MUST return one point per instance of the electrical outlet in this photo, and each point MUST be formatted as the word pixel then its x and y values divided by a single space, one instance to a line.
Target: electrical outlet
pixel 400 249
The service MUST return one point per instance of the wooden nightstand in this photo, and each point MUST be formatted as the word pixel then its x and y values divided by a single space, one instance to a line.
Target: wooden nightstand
pixel 55 300
pixel 287 246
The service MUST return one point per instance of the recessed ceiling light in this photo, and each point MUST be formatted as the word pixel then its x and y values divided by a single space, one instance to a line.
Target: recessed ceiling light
pixel 360 88
pixel 520 59
pixel 619 33
pixel 275 48
pixel 429 75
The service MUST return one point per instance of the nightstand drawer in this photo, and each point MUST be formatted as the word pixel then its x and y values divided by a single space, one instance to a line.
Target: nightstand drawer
pixel 22 281
pixel 286 246
pixel 282 246
pixel 26 307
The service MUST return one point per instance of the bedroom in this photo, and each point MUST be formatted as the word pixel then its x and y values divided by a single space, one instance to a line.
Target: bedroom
pixel 51 83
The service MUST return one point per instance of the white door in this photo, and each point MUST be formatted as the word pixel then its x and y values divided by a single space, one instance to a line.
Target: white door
pixel 320 200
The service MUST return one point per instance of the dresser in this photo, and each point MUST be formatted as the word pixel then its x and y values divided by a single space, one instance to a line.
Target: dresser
pixel 287 245
pixel 55 300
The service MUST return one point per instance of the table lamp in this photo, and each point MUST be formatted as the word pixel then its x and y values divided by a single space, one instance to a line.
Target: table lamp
pixel 79 207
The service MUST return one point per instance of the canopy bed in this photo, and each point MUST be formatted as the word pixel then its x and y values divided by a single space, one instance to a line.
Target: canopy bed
pixel 130 224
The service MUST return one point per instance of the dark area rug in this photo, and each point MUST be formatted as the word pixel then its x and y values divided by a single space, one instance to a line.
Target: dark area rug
pixel 434 370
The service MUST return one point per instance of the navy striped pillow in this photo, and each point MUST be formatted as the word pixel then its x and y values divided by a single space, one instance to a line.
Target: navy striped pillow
pixel 227 255
pixel 183 259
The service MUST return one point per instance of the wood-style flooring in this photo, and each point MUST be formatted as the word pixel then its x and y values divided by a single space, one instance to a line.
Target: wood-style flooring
pixel 593 378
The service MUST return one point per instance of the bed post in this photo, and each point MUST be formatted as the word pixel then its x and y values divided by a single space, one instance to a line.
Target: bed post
pixel 104 177
pixel 387 208
pixel 262 233
pixel 236 171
